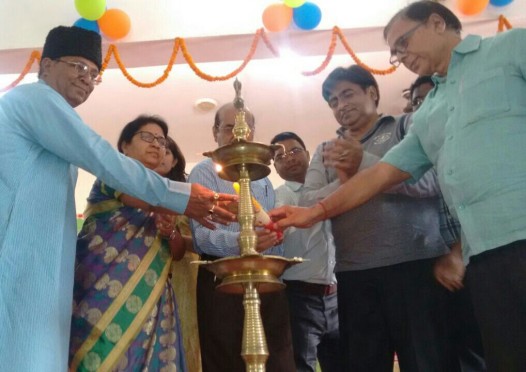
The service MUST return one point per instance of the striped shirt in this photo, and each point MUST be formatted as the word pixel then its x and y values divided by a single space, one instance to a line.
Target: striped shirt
pixel 222 242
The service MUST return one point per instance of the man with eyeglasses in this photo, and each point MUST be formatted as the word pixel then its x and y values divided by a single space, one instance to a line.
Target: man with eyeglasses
pixel 449 271
pixel 471 127
pixel 311 286
pixel 386 249
pixel 419 89
pixel 43 142
pixel 219 315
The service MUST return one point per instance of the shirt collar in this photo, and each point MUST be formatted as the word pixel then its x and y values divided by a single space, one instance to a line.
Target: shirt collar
pixel 381 119
pixel 294 186
pixel 469 44
pixel 438 79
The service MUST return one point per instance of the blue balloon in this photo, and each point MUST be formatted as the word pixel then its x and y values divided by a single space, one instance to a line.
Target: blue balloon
pixel 307 16
pixel 500 2
pixel 87 25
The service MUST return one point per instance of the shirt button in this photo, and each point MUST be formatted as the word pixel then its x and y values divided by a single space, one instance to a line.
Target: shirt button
pixel 450 138
pixel 452 108
pixel 461 207
pixel 449 172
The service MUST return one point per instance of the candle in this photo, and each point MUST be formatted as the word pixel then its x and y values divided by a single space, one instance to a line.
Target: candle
pixel 262 218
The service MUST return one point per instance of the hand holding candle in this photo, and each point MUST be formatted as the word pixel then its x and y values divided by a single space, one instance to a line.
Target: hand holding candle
pixel 262 219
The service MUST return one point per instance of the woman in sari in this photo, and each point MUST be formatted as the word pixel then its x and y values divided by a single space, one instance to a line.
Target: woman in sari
pixel 124 310
pixel 184 277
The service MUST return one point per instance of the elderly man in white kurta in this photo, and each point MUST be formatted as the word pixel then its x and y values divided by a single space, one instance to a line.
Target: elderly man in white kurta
pixel 42 143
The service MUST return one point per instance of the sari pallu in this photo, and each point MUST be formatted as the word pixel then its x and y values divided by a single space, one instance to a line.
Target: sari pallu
pixel 124 310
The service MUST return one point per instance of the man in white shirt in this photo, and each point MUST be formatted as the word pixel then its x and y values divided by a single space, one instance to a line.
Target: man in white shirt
pixel 311 285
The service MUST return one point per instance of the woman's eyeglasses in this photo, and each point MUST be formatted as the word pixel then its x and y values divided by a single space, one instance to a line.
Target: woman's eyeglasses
pixel 83 69
pixel 150 137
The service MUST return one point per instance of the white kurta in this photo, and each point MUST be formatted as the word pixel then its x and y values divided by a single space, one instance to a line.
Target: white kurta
pixel 42 141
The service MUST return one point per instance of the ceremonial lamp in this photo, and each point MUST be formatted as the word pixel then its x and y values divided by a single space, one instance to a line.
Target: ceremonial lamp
pixel 250 273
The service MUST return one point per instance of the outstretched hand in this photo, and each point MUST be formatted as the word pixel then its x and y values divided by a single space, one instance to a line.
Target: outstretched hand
pixel 288 216
pixel 449 270
pixel 207 206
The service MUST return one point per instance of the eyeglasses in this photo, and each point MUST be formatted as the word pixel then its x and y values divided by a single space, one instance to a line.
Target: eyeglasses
pixel 150 137
pixel 292 153
pixel 416 102
pixel 83 69
pixel 400 46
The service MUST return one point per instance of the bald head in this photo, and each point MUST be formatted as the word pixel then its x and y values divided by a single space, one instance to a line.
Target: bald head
pixel 228 108
pixel 224 122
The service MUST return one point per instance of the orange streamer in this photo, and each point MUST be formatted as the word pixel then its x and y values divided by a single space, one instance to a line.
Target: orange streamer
pixel 35 56
pixel 180 44
pixel 503 22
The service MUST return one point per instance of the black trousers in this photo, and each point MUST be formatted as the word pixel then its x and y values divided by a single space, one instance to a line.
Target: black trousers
pixel 464 332
pixel 399 308
pixel 497 283
pixel 220 321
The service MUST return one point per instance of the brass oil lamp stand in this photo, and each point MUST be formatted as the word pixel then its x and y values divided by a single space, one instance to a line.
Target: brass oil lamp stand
pixel 250 273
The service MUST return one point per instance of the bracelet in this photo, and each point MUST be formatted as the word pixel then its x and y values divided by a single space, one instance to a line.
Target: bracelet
pixel 325 213
pixel 173 234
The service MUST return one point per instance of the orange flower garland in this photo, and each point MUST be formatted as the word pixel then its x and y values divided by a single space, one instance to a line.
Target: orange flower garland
pixel 327 59
pixel 207 77
pixel 113 49
pixel 35 56
pixel 180 44
pixel 503 22
pixel 358 60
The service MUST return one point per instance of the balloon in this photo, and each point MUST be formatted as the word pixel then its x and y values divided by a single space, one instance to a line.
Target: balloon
pixel 500 2
pixel 87 25
pixel 277 17
pixel 472 7
pixel 91 9
pixel 115 24
pixel 294 3
pixel 307 16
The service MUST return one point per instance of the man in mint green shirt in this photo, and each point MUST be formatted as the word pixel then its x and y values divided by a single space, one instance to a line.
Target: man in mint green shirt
pixel 472 127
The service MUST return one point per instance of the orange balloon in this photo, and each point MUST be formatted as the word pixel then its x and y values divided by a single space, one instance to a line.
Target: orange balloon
pixel 472 7
pixel 277 17
pixel 114 24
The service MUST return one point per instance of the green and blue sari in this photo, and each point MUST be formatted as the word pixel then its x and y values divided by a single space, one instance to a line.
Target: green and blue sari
pixel 124 309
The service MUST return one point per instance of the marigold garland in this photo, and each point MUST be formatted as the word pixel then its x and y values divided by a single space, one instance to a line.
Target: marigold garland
pixel 358 60
pixel 180 44
pixel 207 77
pixel 35 56
pixel 327 59
pixel 503 22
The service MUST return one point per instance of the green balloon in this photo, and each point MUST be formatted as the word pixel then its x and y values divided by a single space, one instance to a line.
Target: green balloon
pixel 91 9
pixel 294 3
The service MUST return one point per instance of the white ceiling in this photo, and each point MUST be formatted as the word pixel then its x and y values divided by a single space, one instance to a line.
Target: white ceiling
pixel 278 95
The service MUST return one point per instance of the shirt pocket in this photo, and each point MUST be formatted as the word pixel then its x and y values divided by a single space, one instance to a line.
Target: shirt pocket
pixel 485 98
